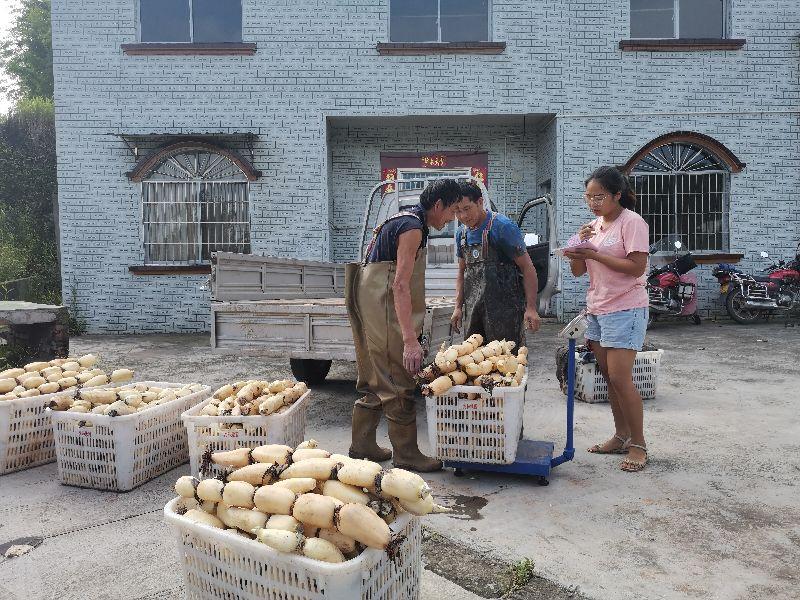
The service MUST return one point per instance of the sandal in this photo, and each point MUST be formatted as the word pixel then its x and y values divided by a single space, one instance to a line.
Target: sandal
pixel 598 448
pixel 630 465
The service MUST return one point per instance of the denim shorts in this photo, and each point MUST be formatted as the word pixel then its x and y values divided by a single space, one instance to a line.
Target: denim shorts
pixel 622 329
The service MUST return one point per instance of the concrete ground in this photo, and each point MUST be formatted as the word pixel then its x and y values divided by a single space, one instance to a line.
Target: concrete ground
pixel 715 515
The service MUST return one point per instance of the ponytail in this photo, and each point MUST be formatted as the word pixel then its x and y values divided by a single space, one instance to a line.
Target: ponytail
pixel 615 182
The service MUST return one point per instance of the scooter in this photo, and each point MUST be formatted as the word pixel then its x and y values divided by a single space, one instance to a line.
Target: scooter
pixel 672 288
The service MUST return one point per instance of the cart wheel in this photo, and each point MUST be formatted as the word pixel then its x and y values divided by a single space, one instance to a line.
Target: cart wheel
pixel 458 473
pixel 542 481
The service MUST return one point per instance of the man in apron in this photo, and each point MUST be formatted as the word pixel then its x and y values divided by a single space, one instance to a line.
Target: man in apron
pixel 385 298
pixel 497 281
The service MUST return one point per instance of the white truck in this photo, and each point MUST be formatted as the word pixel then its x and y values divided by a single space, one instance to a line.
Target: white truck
pixel 281 307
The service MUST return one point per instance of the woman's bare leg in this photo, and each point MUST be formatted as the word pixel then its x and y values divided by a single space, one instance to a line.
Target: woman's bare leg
pixel 621 427
pixel 619 362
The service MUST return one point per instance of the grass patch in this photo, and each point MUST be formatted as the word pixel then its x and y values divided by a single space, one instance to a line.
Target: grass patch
pixel 520 573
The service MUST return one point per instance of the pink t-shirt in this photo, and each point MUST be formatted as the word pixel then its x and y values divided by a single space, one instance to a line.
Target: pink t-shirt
pixel 612 291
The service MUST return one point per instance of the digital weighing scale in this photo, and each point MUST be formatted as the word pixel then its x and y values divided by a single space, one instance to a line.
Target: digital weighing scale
pixel 535 457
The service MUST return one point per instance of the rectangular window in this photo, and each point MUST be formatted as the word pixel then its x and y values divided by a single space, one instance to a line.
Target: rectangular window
pixel 464 20
pixel 681 19
pixel 184 222
pixel 701 19
pixel 688 207
pixel 439 20
pixel 192 21
pixel 217 21
pixel 164 20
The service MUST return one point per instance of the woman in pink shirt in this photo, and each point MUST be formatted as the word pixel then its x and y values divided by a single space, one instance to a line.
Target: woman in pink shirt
pixel 616 304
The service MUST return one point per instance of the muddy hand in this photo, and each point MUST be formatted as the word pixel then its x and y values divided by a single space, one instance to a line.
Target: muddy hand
pixel 532 320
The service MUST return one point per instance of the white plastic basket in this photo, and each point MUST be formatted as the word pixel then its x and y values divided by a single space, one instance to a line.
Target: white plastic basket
pixel 121 453
pixel 483 430
pixel 591 387
pixel 26 432
pixel 214 433
pixel 223 565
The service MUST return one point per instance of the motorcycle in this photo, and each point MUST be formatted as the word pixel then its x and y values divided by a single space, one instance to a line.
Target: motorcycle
pixel 752 297
pixel 671 288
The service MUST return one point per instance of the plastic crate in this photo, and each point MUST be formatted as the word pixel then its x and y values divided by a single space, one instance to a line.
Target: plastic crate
pixel 121 453
pixel 214 433
pixel 223 565
pixel 591 387
pixel 483 430
pixel 26 432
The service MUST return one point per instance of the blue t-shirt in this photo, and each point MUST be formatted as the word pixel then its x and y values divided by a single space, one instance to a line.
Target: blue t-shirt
pixel 385 248
pixel 504 236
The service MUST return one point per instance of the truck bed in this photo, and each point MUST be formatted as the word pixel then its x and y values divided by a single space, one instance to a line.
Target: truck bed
pixel 309 328
pixel 237 277
pixel 295 308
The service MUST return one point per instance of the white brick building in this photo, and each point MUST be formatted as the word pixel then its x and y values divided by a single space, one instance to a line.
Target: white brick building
pixel 308 96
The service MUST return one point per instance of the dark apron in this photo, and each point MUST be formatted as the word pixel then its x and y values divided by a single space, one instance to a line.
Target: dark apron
pixel 494 295
pixel 378 339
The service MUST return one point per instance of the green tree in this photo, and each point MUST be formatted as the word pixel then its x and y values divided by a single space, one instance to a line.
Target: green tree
pixel 27 52
pixel 28 246
pixel 28 242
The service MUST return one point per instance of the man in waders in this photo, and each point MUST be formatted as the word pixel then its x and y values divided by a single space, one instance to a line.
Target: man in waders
pixel 385 298
pixel 497 281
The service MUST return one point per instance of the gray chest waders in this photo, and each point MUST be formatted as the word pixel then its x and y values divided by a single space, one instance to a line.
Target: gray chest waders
pixel 382 379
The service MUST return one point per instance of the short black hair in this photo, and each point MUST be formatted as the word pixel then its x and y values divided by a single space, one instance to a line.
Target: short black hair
pixel 446 190
pixel 471 190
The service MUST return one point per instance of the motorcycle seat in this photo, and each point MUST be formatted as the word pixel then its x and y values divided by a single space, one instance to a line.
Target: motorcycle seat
pixel 762 278
pixel 726 268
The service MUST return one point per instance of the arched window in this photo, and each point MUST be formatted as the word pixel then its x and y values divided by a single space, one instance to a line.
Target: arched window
pixel 683 193
pixel 194 202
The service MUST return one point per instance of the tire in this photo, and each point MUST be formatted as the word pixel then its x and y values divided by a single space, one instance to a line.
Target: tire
pixel 651 318
pixel 740 314
pixel 696 319
pixel 309 370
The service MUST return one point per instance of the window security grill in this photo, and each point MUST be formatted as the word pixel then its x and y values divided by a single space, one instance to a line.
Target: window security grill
pixel 683 194
pixel 193 204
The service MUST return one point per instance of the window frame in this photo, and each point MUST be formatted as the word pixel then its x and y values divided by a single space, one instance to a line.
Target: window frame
pixel 489 29
pixel 726 174
pixel 431 174
pixel 444 237
pixel 191 41
pixel 676 6
pixel 195 185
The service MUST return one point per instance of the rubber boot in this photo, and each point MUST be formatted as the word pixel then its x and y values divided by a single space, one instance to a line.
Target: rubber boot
pixel 364 445
pixel 406 451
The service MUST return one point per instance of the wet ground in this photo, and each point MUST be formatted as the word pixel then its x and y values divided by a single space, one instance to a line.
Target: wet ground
pixel 715 514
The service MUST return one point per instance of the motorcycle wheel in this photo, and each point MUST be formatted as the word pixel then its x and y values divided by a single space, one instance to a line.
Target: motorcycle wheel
pixel 734 303
pixel 651 318
pixel 696 319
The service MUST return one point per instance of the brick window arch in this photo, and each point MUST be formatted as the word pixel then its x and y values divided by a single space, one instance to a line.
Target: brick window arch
pixel 682 183
pixel 146 166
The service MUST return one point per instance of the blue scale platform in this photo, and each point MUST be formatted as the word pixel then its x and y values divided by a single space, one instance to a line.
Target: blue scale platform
pixel 533 458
